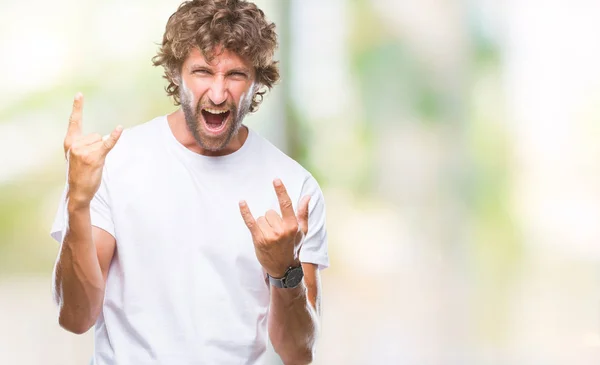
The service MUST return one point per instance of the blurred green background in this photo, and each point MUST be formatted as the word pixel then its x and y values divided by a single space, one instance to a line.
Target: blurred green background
pixel 456 142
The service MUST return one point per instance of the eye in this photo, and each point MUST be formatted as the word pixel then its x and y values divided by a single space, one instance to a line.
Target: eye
pixel 201 72
pixel 238 74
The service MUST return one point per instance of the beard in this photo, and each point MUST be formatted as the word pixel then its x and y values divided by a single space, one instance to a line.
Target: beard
pixel 196 124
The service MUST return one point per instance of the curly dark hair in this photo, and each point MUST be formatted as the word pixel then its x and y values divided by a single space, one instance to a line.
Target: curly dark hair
pixel 237 25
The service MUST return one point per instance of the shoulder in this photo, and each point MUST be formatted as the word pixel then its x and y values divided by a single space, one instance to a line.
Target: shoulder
pixel 135 148
pixel 136 140
pixel 281 165
pixel 139 135
pixel 272 157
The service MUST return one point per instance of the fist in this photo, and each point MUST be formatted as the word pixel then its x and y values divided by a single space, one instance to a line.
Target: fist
pixel 85 156
pixel 277 239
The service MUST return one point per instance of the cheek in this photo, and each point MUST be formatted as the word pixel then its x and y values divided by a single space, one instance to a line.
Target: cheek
pixel 242 98
pixel 186 91
pixel 192 90
pixel 245 95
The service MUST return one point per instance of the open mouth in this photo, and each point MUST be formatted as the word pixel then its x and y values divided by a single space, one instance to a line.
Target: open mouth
pixel 215 119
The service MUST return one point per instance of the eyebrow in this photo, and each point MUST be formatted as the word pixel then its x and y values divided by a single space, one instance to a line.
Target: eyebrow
pixel 199 65
pixel 207 67
pixel 242 70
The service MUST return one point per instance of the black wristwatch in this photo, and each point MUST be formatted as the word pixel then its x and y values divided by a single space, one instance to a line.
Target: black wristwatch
pixel 291 279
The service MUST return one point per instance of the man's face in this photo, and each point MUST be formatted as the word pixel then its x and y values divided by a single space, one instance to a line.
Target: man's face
pixel 215 96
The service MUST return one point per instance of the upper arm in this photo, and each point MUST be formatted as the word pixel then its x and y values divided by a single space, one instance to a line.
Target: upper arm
pixel 105 248
pixel 312 281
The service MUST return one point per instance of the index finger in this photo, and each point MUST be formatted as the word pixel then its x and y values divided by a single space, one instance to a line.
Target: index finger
pixel 74 129
pixel 285 203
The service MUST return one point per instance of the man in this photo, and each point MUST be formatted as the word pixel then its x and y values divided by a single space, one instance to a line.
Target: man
pixel 160 247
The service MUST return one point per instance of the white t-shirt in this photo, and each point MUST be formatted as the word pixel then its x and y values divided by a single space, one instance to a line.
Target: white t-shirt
pixel 184 285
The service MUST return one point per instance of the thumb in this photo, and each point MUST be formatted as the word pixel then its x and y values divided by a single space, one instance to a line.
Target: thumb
pixel 303 214
pixel 109 141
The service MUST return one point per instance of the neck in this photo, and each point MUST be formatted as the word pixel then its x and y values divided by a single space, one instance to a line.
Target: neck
pixel 181 132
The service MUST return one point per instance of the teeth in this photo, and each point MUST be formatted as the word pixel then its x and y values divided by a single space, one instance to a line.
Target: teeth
pixel 216 111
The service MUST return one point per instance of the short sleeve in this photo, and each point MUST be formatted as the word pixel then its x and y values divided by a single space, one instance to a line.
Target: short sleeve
pixel 314 248
pixel 100 212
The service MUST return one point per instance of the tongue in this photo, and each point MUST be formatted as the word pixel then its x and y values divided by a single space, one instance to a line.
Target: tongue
pixel 214 119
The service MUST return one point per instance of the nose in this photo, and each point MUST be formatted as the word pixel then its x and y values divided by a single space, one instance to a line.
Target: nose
pixel 218 91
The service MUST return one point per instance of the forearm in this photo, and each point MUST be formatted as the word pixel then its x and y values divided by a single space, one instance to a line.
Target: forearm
pixel 78 280
pixel 293 325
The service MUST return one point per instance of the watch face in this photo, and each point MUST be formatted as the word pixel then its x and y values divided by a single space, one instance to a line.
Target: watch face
pixel 294 277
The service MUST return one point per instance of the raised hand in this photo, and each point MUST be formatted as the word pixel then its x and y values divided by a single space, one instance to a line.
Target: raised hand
pixel 85 155
pixel 277 239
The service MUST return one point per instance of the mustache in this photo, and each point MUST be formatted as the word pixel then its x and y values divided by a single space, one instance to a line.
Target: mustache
pixel 209 104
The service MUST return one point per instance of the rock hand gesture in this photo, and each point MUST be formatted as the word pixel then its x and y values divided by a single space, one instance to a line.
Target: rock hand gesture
pixel 85 156
pixel 277 239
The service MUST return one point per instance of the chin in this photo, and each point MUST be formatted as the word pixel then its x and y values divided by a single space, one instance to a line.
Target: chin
pixel 214 143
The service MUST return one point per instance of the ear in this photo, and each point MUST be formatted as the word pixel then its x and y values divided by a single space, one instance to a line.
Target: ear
pixel 258 88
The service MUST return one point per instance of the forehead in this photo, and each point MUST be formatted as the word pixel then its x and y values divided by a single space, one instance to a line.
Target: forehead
pixel 224 60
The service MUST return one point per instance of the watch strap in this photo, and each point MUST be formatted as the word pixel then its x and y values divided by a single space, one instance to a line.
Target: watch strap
pixel 278 283
pixel 282 282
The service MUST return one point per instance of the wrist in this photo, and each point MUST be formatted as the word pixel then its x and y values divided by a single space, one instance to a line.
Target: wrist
pixel 280 272
pixel 290 279
pixel 291 294
pixel 75 204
